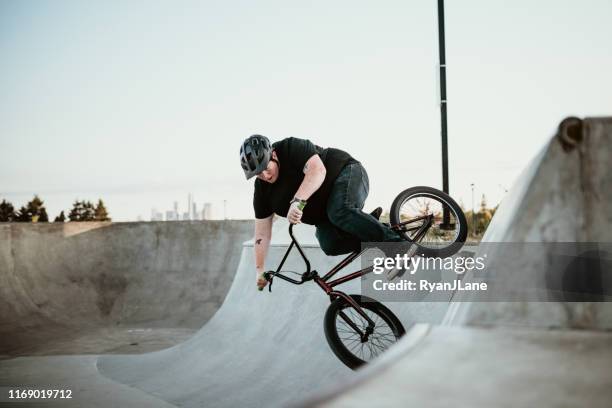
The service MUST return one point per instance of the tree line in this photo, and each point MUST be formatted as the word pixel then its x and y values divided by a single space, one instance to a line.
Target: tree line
pixel 35 211
pixel 479 221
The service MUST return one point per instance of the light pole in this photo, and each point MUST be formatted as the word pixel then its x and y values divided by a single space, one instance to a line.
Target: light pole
pixel 446 224
pixel 473 212
pixel 443 101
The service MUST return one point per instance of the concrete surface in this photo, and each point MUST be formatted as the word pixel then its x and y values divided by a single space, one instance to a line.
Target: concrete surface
pixel 563 196
pixel 112 287
pixel 476 367
pixel 501 354
pixel 259 349
pixel 76 373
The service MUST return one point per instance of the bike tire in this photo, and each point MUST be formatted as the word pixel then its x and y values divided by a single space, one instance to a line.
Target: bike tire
pixel 451 247
pixel 334 333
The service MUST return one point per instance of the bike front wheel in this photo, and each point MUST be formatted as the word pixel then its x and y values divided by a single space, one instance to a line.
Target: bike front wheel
pixel 348 344
pixel 431 219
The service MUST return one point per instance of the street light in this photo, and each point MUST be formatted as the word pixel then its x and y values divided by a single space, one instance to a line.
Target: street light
pixel 446 224
pixel 443 101
pixel 473 212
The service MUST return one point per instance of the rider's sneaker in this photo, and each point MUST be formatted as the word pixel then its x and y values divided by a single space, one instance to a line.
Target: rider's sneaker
pixel 377 212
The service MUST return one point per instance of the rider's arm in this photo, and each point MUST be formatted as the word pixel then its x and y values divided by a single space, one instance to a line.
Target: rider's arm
pixel 314 175
pixel 263 234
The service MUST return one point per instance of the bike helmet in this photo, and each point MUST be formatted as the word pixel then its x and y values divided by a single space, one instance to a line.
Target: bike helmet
pixel 255 154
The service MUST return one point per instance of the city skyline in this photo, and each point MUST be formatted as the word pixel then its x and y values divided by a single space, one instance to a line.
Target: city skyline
pixel 192 213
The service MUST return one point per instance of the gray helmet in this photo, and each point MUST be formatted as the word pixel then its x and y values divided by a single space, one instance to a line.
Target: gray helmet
pixel 255 154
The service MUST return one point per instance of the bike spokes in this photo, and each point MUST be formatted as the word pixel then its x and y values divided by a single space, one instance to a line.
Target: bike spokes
pixel 428 220
pixel 369 346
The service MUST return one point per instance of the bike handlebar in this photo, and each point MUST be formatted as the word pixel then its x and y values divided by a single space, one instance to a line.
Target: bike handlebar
pixel 299 248
pixel 306 276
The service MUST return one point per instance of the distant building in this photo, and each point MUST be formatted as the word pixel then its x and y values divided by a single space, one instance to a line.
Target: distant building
pixel 173 215
pixel 207 211
pixel 186 216
pixel 156 215
pixel 194 212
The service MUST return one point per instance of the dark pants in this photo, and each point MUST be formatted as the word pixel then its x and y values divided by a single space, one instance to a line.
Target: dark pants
pixel 348 225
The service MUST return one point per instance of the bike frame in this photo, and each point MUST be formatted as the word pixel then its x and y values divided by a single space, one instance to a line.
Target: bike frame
pixel 327 285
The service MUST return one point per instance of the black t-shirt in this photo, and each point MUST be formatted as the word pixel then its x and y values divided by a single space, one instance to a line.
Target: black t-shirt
pixel 293 153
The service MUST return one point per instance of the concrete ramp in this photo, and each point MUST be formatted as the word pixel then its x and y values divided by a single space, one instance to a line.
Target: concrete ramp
pixel 112 287
pixel 478 367
pixel 501 353
pixel 562 202
pixel 260 349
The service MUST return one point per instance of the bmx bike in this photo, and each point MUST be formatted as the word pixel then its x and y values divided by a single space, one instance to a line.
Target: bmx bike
pixel 359 328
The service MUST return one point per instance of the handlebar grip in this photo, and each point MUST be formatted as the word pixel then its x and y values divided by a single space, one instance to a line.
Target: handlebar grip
pixel 267 276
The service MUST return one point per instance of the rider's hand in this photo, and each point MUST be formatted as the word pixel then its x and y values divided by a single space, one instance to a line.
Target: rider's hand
pixel 261 281
pixel 294 215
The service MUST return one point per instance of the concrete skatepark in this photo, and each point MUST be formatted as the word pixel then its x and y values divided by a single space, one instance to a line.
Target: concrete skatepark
pixel 143 287
pixel 102 287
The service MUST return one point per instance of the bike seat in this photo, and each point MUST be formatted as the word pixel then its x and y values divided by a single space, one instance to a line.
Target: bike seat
pixel 377 212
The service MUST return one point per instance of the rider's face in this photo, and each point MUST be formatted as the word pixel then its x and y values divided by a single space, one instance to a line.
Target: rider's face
pixel 270 174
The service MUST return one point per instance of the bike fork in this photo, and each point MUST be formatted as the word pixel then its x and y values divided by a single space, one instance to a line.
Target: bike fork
pixel 354 305
pixel 332 293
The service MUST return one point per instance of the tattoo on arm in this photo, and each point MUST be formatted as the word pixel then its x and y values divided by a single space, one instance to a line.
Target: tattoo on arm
pixel 258 242
pixel 305 167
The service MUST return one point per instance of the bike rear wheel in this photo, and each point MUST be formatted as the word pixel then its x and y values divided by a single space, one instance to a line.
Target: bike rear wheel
pixel 346 343
pixel 413 207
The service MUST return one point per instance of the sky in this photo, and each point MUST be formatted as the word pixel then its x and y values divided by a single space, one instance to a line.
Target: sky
pixel 142 102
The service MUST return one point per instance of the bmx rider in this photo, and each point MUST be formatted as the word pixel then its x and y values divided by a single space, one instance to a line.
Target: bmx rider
pixel 303 182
